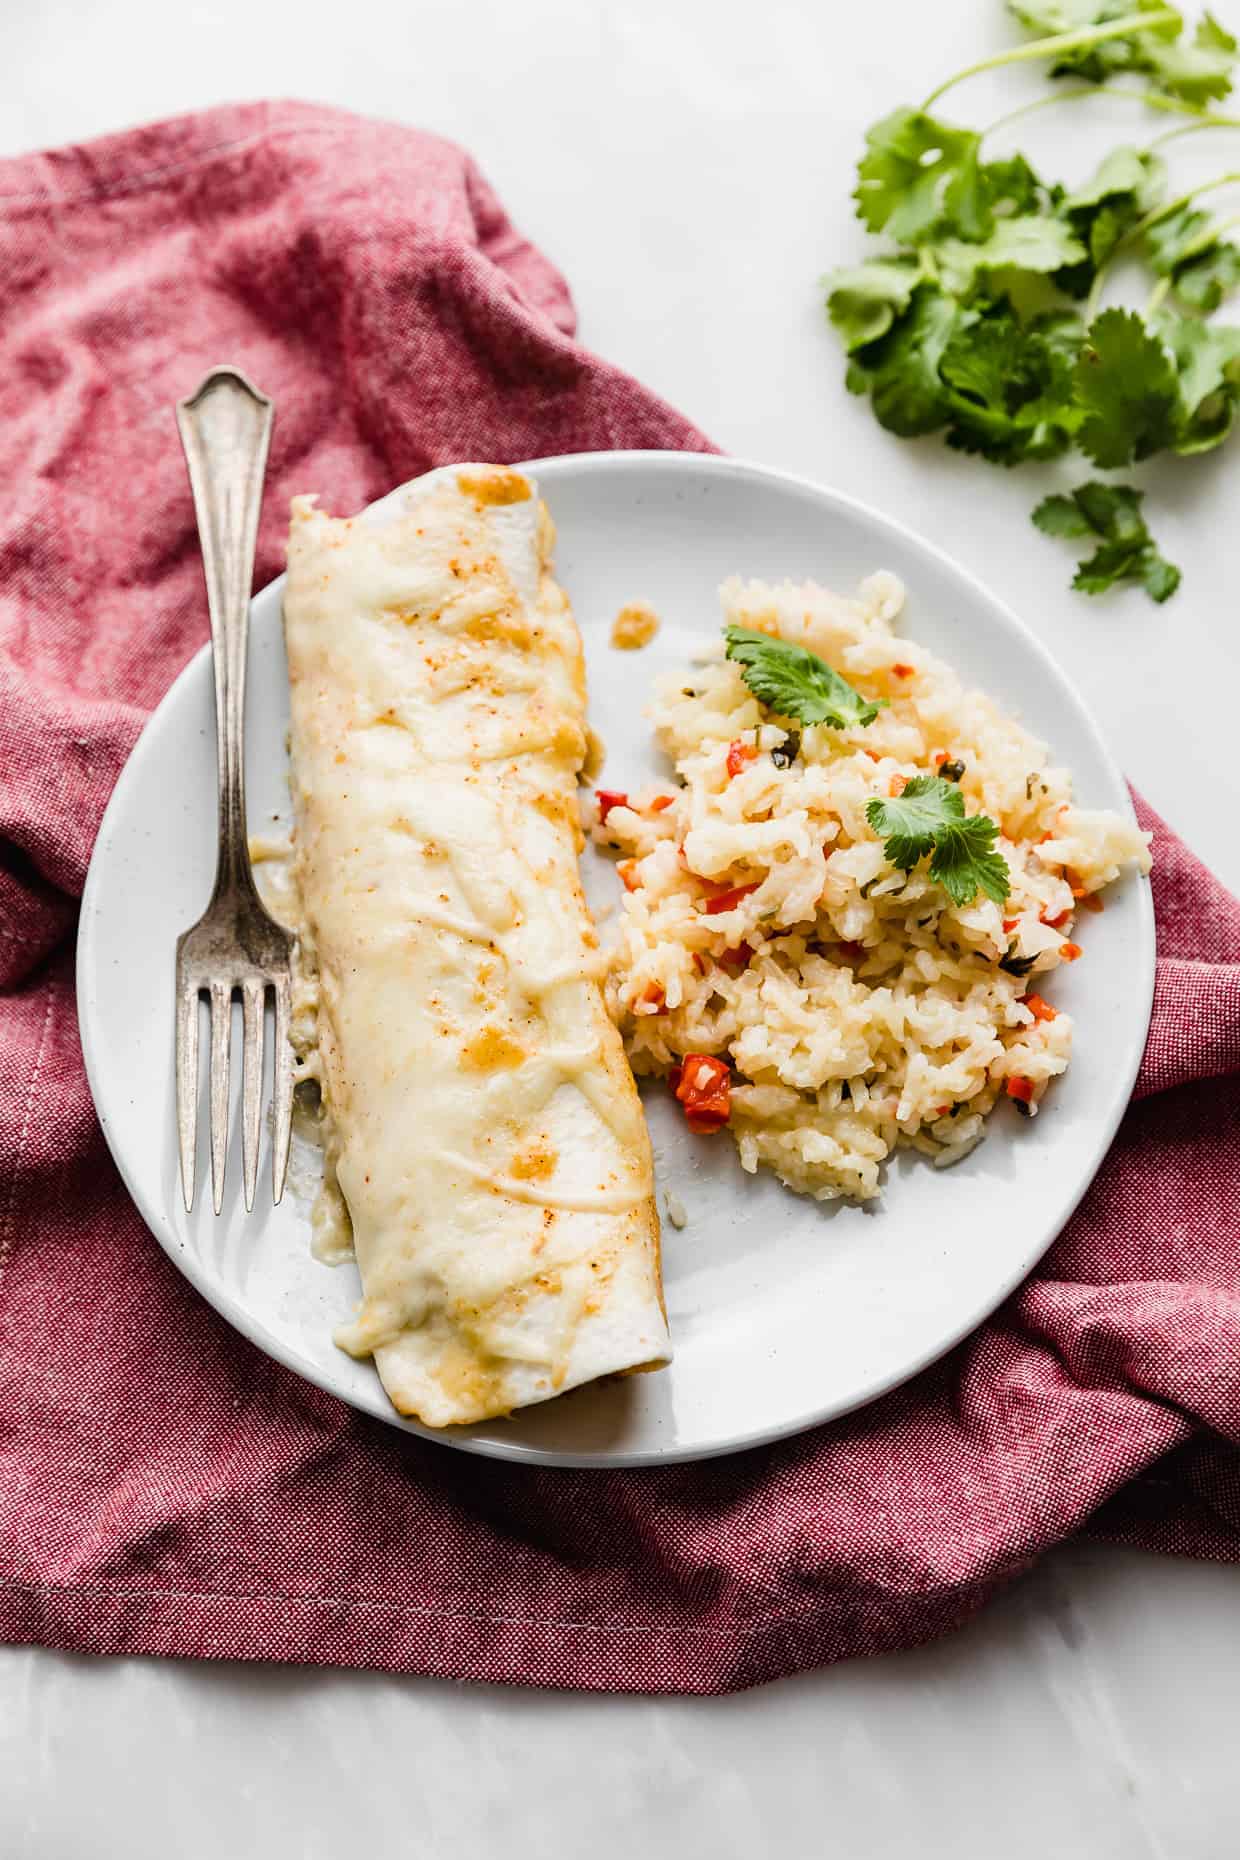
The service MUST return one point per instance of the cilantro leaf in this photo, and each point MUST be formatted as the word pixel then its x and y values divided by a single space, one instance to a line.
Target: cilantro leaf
pixel 1197 73
pixel 915 171
pixel 1126 550
pixel 1126 383
pixel 1009 387
pixel 921 179
pixel 1124 173
pixel 965 861
pixel 982 191
pixel 1213 37
pixel 1012 183
pixel 1112 510
pixel 1127 184
pixel 1060 516
pixel 908 824
pixel 1207 362
pixel 1168 239
pixel 1204 281
pixel 1202 267
pixel 863 301
pixel 1194 71
pixel 1159 578
pixel 796 682
pixel 1113 562
pixel 929 818
pixel 1027 242
pixel 900 372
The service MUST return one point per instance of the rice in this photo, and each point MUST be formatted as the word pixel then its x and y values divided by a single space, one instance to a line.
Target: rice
pixel 857 1008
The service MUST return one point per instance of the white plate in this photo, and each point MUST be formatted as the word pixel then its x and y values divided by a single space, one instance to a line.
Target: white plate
pixel 783 1312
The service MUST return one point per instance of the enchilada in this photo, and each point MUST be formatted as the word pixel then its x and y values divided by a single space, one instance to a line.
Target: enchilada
pixel 482 1122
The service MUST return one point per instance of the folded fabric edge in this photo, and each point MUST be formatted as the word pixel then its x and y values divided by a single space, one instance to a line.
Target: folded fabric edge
pixel 577 1656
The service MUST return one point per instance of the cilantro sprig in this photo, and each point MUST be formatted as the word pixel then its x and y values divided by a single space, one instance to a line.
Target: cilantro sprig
pixel 980 319
pixel 1196 70
pixel 795 682
pixel 928 819
pixel 1125 551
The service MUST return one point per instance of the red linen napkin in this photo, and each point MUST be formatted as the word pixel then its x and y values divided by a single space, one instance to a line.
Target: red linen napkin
pixel 164 1488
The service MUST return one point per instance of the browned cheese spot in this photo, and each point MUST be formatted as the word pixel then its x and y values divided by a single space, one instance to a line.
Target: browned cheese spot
pixel 534 1164
pixel 494 484
pixel 491 1050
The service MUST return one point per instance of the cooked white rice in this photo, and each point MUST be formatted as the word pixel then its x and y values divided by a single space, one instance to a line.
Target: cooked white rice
pixel 871 1012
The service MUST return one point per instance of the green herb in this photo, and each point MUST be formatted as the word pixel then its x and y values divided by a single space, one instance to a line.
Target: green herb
pixel 1125 382
pixel 966 322
pixel 1126 551
pixel 1196 71
pixel 1187 248
pixel 929 818
pixel 1127 185
pixel 1006 387
pixel 797 683
pixel 900 372
pixel 918 175
pixel 1207 361
pixel 865 301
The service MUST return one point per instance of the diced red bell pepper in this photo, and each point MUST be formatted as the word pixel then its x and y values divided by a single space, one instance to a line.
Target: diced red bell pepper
pixel 660 802
pixel 739 753
pixel 608 798
pixel 1020 1088
pixel 1041 1010
pixel 728 900
pixel 703 1084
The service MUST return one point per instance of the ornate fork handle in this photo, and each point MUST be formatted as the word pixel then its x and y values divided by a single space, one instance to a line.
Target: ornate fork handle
pixel 225 429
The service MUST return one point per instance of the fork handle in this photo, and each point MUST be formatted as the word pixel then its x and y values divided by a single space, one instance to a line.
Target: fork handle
pixel 225 429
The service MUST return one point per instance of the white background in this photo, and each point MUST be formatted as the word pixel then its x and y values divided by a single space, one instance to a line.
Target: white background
pixel 688 164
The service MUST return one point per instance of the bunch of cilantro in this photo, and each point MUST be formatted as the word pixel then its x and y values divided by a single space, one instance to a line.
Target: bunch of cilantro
pixel 979 319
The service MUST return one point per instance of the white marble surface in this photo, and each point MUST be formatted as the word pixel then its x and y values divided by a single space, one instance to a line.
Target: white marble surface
pixel 688 163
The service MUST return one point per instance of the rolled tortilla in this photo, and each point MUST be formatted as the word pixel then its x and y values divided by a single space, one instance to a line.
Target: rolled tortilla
pixel 483 1122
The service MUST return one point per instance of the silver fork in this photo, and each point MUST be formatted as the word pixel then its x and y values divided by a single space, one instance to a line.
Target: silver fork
pixel 235 947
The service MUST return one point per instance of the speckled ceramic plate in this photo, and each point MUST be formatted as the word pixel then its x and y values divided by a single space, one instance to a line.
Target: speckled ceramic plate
pixel 783 1312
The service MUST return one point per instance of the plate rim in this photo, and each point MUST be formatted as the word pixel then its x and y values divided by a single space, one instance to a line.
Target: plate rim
pixel 518 1453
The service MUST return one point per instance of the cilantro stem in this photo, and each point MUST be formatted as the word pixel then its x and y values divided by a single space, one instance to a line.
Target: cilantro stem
pixel 1142 227
pixel 1152 99
pixel 1076 41
pixel 1210 119
pixel 1043 103
pixel 1156 297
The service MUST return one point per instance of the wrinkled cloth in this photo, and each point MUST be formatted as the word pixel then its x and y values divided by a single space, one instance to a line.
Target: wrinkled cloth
pixel 166 1489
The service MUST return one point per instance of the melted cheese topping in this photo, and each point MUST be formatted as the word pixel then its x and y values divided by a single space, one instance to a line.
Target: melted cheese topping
pixel 483 1125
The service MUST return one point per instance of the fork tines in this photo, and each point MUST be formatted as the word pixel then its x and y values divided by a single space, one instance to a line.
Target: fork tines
pixel 194 981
